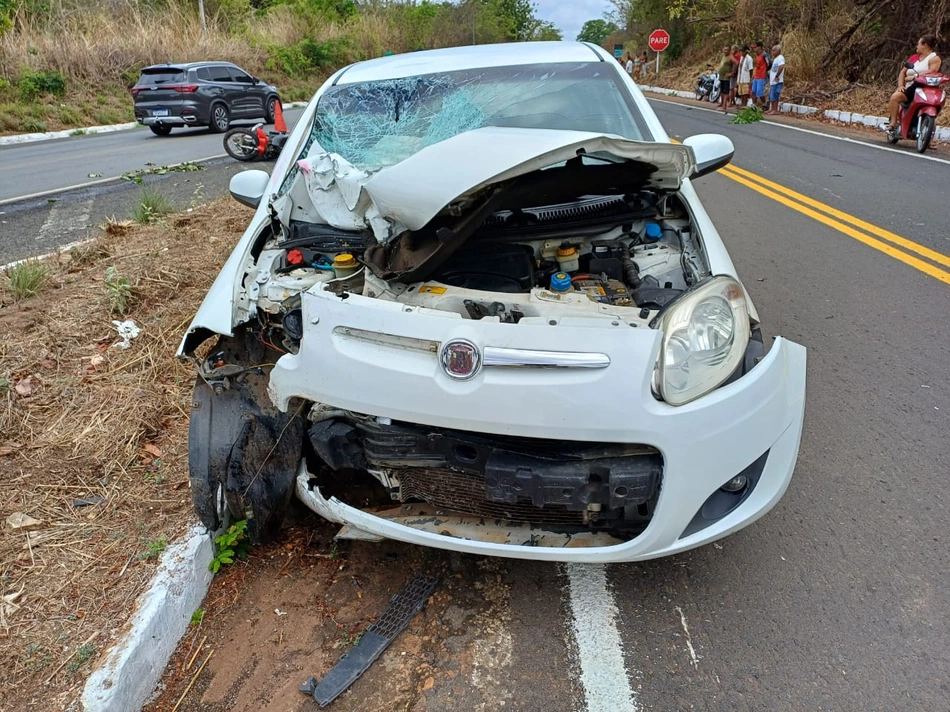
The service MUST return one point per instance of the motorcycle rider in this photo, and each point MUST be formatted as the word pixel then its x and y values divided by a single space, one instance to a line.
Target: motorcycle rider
pixel 924 62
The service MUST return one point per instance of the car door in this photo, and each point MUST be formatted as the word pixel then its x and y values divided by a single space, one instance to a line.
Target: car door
pixel 222 80
pixel 252 93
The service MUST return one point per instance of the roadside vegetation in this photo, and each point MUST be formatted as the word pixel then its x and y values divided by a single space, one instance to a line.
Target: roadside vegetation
pixel 93 437
pixel 71 63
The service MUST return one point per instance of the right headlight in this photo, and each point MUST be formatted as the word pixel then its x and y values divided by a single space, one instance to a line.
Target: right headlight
pixel 705 335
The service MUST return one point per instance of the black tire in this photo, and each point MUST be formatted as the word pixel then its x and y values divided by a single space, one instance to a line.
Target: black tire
pixel 714 94
pixel 699 95
pixel 220 118
pixel 241 144
pixel 926 133
pixel 893 136
pixel 269 109
pixel 160 129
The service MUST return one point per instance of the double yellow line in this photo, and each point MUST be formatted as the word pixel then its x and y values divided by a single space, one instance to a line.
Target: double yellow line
pixel 900 248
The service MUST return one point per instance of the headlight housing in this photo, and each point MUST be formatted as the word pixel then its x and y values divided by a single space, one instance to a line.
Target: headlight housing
pixel 705 335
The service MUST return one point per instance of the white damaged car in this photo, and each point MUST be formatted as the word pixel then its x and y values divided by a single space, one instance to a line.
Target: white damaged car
pixel 481 308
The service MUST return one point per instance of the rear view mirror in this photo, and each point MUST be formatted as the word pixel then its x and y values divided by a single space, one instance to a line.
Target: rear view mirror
pixel 712 151
pixel 248 187
pixel 909 65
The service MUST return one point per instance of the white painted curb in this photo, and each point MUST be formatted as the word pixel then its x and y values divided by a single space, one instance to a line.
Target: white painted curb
pixel 31 137
pixel 132 668
pixel 844 117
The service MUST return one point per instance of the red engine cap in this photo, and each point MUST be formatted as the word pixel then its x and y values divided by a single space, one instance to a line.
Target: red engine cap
pixel 295 257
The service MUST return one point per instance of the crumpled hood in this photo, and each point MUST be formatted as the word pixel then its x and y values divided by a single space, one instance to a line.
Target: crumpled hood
pixel 409 194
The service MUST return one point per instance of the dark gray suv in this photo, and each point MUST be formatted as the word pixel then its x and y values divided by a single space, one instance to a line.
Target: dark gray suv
pixel 200 94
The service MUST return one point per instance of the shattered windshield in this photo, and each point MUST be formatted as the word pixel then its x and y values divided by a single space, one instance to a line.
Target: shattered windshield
pixel 377 124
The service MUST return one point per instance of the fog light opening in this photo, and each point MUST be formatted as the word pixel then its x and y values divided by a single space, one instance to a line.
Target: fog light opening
pixel 736 484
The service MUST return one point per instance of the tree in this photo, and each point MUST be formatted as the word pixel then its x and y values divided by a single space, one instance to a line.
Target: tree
pixel 596 31
pixel 546 31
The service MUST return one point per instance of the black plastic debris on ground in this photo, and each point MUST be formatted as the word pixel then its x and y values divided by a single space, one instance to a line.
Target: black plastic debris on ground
pixel 402 607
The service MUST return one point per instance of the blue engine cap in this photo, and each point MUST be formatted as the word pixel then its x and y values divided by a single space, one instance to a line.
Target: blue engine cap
pixel 560 282
pixel 653 231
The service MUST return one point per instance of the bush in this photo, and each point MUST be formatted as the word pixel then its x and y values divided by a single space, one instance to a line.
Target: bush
pixel 32 84
pixel 308 56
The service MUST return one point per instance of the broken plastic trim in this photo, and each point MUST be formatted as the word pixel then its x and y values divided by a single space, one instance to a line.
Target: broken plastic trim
pixel 402 607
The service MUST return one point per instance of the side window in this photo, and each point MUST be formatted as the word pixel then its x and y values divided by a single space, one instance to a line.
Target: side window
pixel 220 74
pixel 204 74
pixel 240 76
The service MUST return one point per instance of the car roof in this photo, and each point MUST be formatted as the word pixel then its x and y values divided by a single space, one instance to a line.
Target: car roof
pixel 474 57
pixel 188 65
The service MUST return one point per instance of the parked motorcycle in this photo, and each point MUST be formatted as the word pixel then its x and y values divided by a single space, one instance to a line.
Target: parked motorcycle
pixel 917 120
pixel 251 144
pixel 708 87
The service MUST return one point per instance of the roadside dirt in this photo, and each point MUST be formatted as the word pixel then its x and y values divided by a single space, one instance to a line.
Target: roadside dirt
pixel 293 608
pixel 93 443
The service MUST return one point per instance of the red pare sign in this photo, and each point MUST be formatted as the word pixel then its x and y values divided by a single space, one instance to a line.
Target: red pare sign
pixel 659 40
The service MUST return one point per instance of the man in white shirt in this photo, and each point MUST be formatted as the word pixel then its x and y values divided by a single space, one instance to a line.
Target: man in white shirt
pixel 776 79
pixel 744 77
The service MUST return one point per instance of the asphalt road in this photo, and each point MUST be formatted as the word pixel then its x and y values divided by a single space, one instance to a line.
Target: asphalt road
pixel 836 600
pixel 31 168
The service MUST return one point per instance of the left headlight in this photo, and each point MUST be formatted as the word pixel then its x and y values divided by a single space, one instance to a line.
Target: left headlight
pixel 705 335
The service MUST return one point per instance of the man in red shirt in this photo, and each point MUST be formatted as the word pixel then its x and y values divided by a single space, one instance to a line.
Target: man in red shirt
pixel 760 68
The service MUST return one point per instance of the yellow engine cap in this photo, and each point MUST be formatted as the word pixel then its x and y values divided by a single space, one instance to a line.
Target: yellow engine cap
pixel 344 259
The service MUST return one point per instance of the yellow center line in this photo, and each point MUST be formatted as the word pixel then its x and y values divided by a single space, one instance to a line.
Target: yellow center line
pixel 841 227
pixel 937 257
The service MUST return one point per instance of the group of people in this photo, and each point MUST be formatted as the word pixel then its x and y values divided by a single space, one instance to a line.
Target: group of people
pixel 636 65
pixel 743 73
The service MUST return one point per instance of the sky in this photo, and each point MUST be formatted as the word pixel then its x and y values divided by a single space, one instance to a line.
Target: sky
pixel 570 15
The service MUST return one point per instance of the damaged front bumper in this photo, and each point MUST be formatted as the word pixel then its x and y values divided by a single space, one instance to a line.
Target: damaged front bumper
pixel 751 428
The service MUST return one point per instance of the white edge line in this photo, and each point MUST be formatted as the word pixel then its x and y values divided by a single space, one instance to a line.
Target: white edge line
pixel 77 186
pixel 55 253
pixel 816 133
pixel 595 621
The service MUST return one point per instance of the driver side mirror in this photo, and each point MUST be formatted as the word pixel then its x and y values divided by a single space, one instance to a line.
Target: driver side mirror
pixel 255 80
pixel 248 187
pixel 712 151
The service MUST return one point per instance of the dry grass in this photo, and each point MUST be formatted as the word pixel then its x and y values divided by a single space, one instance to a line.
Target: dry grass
pixel 93 443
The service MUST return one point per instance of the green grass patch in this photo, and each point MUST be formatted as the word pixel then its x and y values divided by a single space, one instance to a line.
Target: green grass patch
pixel 748 115
pixel 152 207
pixel 27 279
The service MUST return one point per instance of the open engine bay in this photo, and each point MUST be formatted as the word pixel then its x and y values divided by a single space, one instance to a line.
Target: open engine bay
pixel 616 257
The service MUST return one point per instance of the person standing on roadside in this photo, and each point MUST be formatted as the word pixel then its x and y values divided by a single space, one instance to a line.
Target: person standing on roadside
pixel 760 69
pixel 628 63
pixel 637 62
pixel 776 79
pixel 727 68
pixel 644 64
pixel 744 76
pixel 737 56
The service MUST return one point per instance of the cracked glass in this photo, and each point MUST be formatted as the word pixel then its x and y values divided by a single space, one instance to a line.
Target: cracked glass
pixel 380 123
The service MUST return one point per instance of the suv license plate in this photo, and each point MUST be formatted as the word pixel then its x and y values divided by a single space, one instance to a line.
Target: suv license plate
pixel 159 112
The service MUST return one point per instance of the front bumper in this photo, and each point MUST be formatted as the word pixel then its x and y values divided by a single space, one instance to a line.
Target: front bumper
pixel 704 443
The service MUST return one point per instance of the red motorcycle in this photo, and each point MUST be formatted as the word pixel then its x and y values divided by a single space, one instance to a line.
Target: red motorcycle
pixel 254 143
pixel 918 118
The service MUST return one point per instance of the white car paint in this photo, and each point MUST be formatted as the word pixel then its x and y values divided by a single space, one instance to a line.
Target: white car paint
pixel 703 443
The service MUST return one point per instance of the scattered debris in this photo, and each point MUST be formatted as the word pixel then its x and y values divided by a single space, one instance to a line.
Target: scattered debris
pixel 88 501
pixel 402 607
pixel 280 612
pixel 25 387
pixel 128 330
pixel 151 169
pixel 19 520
